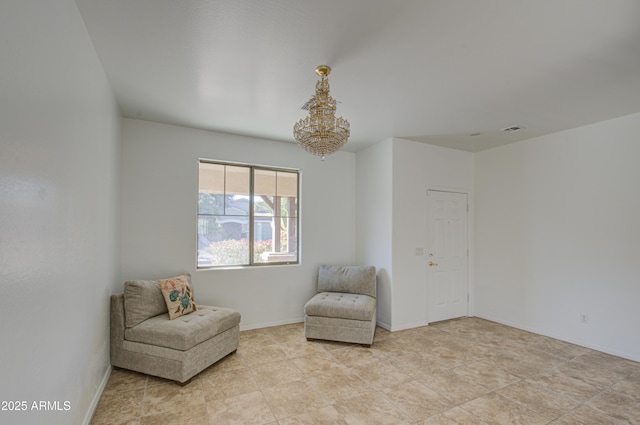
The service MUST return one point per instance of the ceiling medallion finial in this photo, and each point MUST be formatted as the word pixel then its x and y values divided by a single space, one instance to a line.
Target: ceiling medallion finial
pixel 321 133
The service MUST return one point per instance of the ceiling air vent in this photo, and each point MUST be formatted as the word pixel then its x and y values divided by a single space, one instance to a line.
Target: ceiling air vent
pixel 512 129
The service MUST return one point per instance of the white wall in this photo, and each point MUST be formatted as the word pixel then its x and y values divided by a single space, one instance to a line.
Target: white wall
pixel 393 178
pixel 374 220
pixel 59 211
pixel 159 207
pixel 416 168
pixel 558 235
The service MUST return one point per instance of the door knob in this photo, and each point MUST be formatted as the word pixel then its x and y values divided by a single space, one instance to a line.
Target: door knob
pixel 431 264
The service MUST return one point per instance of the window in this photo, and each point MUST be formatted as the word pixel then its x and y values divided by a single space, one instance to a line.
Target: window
pixel 247 215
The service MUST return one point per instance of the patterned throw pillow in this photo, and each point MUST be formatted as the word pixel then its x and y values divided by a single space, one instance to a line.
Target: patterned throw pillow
pixel 178 296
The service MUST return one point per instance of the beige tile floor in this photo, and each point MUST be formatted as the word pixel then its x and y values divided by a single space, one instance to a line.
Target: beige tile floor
pixel 464 371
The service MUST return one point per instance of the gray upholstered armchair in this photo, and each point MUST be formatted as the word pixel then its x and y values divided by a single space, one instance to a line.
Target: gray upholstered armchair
pixel 144 339
pixel 344 309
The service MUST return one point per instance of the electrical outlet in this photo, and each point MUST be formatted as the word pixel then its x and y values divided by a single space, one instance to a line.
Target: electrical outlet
pixel 584 318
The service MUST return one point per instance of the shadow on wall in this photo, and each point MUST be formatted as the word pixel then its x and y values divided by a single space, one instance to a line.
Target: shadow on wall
pixel 383 290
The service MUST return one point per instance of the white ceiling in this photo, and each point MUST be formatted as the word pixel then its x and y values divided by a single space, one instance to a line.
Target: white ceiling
pixel 434 71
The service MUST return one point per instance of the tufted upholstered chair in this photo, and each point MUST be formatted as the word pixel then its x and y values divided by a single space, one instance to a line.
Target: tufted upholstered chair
pixel 344 309
pixel 144 339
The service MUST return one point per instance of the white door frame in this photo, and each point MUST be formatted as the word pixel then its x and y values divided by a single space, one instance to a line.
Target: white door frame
pixel 470 244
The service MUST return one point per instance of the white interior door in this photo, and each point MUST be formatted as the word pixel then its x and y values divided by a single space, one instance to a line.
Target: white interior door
pixel 447 255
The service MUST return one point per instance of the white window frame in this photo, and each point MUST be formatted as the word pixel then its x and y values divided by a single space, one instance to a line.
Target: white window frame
pixel 252 223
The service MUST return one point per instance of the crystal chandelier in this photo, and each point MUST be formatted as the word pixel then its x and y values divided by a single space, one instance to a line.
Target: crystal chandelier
pixel 321 133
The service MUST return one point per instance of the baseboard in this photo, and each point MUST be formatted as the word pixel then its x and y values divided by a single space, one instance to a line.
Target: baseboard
pixel 96 397
pixel 384 326
pixel 534 330
pixel 270 324
pixel 301 320
pixel 401 328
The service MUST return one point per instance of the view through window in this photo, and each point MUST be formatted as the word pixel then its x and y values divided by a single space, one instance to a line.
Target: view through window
pixel 247 215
